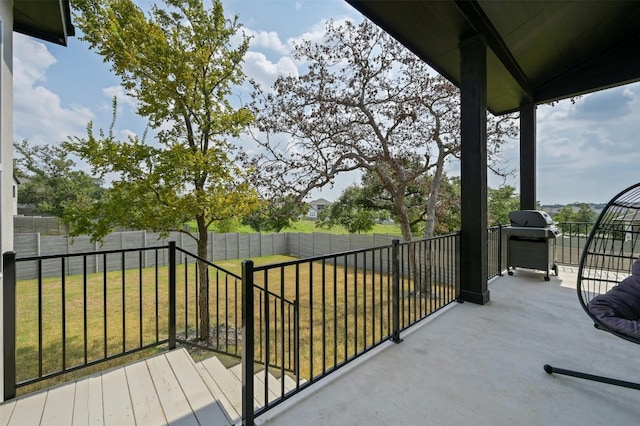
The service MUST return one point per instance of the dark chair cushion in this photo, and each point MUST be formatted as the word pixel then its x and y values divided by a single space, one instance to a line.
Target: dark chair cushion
pixel 619 308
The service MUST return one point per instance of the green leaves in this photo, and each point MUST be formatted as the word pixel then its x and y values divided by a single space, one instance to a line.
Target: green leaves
pixel 178 62
pixel 50 181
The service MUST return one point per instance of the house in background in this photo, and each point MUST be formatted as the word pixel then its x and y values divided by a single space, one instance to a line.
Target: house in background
pixel 315 207
pixel 48 20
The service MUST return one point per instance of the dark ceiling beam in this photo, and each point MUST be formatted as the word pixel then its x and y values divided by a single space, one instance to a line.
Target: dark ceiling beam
pixel 476 17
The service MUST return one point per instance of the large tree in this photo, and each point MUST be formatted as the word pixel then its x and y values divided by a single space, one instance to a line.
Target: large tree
pixel 364 102
pixel 350 211
pixel 447 209
pixel 180 64
pixel 50 180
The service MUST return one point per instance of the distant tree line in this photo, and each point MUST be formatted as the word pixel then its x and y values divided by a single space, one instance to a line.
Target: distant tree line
pixel 576 212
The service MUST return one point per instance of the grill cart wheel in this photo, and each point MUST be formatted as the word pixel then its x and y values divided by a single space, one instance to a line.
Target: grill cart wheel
pixel 609 276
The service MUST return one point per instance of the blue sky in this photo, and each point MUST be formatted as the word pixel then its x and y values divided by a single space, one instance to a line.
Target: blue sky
pixel 587 151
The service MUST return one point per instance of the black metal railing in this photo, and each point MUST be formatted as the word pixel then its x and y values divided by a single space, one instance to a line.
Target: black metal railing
pixel 84 309
pixel 570 244
pixel 224 290
pixel 497 257
pixel 58 323
pixel 347 304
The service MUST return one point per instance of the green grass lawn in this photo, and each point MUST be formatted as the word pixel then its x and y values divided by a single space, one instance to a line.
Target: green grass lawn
pixel 309 226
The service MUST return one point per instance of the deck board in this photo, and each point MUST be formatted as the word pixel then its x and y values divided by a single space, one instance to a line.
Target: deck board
pixel 80 414
pixel 174 403
pixel 59 405
pixel 165 389
pixel 147 409
pixel 219 394
pixel 273 384
pixel 118 410
pixel 203 404
pixel 225 380
pixel 6 410
pixel 95 409
pixel 258 386
pixel 28 411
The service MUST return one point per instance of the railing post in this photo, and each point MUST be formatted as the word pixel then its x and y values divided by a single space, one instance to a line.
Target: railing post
pixel 247 343
pixel 172 294
pixel 395 276
pixel 500 249
pixel 296 340
pixel 458 264
pixel 9 323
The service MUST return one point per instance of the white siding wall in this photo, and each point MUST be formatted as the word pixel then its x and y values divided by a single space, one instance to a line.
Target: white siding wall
pixel 6 145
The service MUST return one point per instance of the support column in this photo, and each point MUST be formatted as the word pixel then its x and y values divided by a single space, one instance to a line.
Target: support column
pixel 473 173
pixel 528 199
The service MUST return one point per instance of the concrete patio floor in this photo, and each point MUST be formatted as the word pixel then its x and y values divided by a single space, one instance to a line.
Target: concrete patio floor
pixel 482 365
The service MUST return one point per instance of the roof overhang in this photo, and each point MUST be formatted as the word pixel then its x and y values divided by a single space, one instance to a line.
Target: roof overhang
pixel 48 20
pixel 539 51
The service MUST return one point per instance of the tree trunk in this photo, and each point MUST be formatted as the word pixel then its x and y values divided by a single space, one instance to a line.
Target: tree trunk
pixel 414 263
pixel 426 276
pixel 433 199
pixel 203 281
pixel 403 217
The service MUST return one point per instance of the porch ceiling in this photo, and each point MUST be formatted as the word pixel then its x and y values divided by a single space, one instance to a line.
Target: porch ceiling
pixel 48 20
pixel 539 51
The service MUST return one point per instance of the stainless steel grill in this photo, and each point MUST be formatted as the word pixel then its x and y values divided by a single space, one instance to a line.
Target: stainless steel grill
pixel 531 241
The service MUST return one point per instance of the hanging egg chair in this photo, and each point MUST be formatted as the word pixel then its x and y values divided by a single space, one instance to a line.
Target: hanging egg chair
pixel 609 276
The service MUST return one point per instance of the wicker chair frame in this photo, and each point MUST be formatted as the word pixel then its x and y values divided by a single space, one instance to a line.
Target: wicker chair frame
pixel 607 259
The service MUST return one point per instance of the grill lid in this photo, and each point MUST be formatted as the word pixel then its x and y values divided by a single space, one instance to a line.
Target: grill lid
pixel 529 232
pixel 530 218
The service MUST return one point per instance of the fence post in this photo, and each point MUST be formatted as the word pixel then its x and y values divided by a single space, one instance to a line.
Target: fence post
pixel 395 276
pixel 247 343
pixel 172 294
pixel 9 323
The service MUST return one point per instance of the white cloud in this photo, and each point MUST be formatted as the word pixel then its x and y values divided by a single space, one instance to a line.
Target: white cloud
pixel 128 133
pixel 39 115
pixel 31 60
pixel 587 151
pixel 317 32
pixel 122 96
pixel 258 67
pixel 267 40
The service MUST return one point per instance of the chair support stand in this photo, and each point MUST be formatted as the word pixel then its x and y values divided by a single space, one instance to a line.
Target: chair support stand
pixel 549 369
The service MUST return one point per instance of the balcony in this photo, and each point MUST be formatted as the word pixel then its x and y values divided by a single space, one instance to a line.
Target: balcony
pixel 465 364
pixel 472 364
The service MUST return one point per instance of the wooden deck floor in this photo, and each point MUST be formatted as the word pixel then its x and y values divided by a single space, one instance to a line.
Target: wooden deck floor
pixel 165 389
